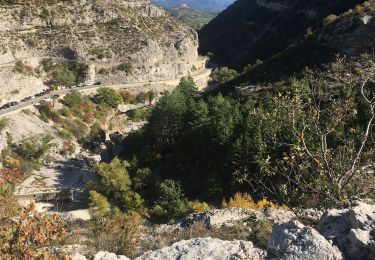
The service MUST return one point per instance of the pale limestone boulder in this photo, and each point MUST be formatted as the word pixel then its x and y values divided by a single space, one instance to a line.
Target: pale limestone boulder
pixel 219 217
pixel 352 230
pixel 104 255
pixel 293 240
pixel 228 216
pixel 206 248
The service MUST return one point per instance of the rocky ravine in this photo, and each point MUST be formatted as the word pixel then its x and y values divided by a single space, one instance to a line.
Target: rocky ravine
pixel 340 234
pixel 103 34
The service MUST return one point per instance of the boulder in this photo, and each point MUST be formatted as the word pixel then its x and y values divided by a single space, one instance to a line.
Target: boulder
pixel 293 240
pixel 206 248
pixel 310 215
pixel 219 217
pixel 228 216
pixel 78 256
pixel 352 230
pixel 277 215
pixel 104 255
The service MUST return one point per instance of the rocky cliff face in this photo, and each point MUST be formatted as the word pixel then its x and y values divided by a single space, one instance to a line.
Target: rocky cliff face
pixel 105 34
pixel 337 234
pixel 259 29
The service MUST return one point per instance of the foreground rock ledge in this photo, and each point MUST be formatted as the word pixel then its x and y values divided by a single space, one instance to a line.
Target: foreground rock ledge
pixel 207 248
pixel 293 240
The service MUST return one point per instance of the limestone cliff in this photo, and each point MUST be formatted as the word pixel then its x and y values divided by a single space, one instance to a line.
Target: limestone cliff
pixel 125 40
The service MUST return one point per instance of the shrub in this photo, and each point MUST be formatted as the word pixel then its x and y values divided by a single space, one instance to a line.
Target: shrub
pixel 119 233
pixel 46 112
pixel 245 201
pixel 76 127
pixel 108 96
pixel 35 148
pixel 127 67
pixel 197 206
pixel 139 115
pixel 116 183
pixel 99 206
pixel 63 76
pixel 150 96
pixel 171 202
pixel 9 206
pixel 127 97
pixel 260 232
pixel 68 148
pixel 223 75
pixel 3 123
pixel 72 99
pixel 12 163
pixel 8 177
pixel 23 68
pixel 21 238
pixel 239 200
pixel 140 98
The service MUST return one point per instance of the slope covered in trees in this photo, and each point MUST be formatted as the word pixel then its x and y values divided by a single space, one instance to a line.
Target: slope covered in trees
pixel 251 29
pixel 307 144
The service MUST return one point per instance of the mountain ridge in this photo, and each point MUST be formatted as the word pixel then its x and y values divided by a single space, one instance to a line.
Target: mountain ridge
pixel 258 29
pixel 206 5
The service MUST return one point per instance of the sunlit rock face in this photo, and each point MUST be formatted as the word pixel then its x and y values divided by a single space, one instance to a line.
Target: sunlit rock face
pixel 104 34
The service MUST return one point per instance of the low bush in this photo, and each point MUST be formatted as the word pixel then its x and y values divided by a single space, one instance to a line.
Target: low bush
pixel 119 233
pixel 197 206
pixel 3 123
pixel 21 238
pixel 260 232
pixel 139 115
pixel 109 97
pixel 35 149
pixel 245 201
pixel 171 202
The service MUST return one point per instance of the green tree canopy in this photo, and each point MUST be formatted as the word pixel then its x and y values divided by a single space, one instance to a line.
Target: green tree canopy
pixel 108 96
pixel 64 76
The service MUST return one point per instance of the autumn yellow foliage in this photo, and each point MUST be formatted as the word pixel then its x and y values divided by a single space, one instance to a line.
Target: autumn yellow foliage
pixel 21 238
pixel 197 206
pixel 245 201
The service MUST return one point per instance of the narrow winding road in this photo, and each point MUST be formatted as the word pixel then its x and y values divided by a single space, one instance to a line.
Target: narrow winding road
pixel 23 105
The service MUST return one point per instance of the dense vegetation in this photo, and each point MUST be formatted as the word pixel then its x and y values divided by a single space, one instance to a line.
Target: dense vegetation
pixel 307 144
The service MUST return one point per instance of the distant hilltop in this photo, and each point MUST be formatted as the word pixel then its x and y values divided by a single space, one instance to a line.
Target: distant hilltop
pixel 205 5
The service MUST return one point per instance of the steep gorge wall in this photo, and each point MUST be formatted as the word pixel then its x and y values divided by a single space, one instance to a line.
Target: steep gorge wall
pixel 102 33
pixel 260 29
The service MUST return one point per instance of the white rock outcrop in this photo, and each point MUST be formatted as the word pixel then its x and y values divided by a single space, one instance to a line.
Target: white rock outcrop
pixel 352 230
pixel 104 255
pixel 206 248
pixel 124 41
pixel 293 240
pixel 220 217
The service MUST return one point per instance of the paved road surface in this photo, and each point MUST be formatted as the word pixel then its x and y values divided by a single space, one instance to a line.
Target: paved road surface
pixel 23 105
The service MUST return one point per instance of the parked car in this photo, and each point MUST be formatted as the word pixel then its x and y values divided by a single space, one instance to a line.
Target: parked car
pixel 14 103
pixel 5 106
